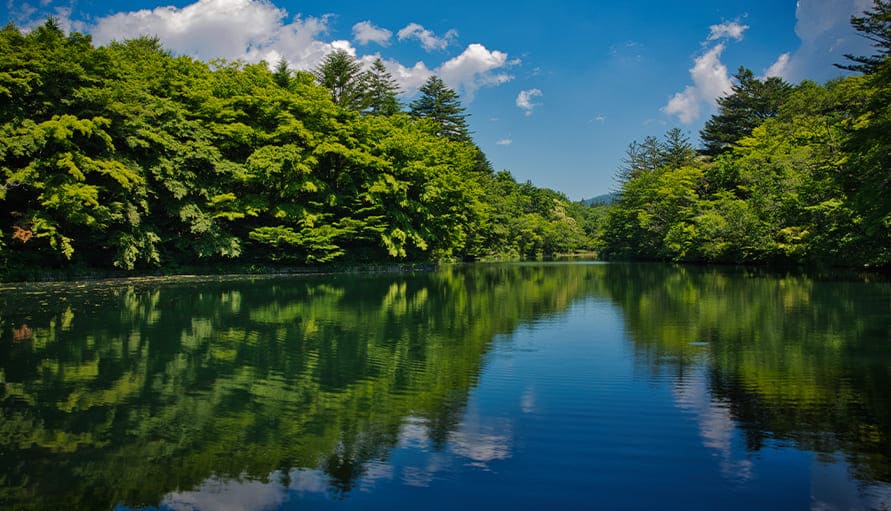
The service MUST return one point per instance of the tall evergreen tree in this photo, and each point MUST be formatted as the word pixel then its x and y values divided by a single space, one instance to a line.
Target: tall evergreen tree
pixel 281 74
pixel 342 75
pixel 750 102
pixel 441 104
pixel 382 90
pixel 677 149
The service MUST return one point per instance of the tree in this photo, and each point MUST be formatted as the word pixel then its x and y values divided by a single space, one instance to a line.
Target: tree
pixel 381 90
pixel 441 104
pixel 282 75
pixel 875 26
pixel 747 106
pixel 677 149
pixel 342 75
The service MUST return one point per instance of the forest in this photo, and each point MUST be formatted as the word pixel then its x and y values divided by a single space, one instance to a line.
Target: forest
pixel 787 175
pixel 127 157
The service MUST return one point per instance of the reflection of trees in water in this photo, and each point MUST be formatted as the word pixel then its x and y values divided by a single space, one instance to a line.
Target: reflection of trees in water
pixel 125 393
pixel 791 358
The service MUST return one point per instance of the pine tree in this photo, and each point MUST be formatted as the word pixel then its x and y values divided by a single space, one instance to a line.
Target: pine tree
pixel 382 90
pixel 342 75
pixel 441 104
pixel 746 107
pixel 282 75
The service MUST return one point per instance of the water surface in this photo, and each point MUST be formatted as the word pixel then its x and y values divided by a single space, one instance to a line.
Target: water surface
pixel 526 386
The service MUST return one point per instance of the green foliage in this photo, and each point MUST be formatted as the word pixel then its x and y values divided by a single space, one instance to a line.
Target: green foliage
pixel 126 156
pixel 341 74
pixel 441 105
pixel 381 90
pixel 800 177
pixel 750 103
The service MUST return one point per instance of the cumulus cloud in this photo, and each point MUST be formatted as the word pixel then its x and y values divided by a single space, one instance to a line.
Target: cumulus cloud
pixel 525 100
pixel 476 67
pixel 504 141
pixel 779 67
pixel 710 82
pixel 255 30
pixel 429 41
pixel 365 32
pixel 826 36
pixel 252 31
pixel 727 30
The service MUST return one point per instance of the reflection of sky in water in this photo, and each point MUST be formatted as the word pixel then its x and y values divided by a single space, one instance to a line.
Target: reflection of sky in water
pixel 831 485
pixel 567 400
pixel 716 427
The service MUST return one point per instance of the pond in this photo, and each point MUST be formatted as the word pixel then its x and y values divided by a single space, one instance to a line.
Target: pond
pixel 516 386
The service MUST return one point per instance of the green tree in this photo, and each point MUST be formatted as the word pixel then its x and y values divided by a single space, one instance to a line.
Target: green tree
pixel 382 90
pixel 441 104
pixel 282 74
pixel 340 73
pixel 749 103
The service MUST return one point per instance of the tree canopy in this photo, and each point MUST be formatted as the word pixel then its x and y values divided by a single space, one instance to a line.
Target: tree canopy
pixel 125 156
pixel 750 103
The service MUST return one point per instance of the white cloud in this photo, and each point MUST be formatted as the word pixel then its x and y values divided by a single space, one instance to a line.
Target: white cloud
pixel 779 67
pixel 476 67
pixel 504 141
pixel 249 30
pixel 599 118
pixel 255 30
pixel 525 100
pixel 408 78
pixel 428 39
pixel 710 81
pixel 365 32
pixel 826 36
pixel 727 30
pixel 685 105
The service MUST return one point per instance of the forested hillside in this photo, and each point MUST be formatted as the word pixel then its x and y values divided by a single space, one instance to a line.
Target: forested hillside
pixel 788 174
pixel 126 156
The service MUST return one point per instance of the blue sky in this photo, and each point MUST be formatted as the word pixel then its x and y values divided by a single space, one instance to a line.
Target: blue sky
pixel 556 90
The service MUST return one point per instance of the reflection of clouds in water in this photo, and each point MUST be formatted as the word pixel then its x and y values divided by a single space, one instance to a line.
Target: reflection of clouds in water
pixel 375 471
pixel 308 481
pixel 482 439
pixel 253 495
pixel 527 401
pixel 422 477
pixel 228 495
pixel 716 425
pixel 413 433
pixel 477 442
pixel 833 488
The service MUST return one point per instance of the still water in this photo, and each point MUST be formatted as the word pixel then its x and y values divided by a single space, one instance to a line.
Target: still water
pixel 515 386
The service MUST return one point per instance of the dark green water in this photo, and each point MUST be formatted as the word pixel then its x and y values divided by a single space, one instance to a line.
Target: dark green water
pixel 527 386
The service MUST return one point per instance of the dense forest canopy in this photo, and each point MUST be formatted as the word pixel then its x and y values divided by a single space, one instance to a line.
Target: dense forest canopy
pixel 126 156
pixel 787 175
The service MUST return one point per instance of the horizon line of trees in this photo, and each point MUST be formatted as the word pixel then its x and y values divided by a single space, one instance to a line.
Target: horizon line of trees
pixel 127 156
pixel 787 174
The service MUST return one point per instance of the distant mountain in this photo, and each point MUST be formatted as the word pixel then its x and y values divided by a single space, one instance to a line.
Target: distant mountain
pixel 607 198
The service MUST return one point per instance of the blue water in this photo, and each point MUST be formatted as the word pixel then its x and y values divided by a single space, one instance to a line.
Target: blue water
pixel 514 387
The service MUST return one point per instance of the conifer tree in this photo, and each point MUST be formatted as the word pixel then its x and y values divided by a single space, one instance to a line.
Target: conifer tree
pixel 441 104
